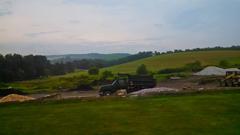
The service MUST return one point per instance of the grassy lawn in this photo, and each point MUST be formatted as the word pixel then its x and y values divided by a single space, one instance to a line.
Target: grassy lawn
pixel 199 114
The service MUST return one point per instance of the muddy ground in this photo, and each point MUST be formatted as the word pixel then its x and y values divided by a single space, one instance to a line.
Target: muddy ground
pixel 193 82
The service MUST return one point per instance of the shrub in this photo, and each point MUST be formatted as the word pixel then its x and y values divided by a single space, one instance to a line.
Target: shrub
pixel 93 71
pixel 224 64
pixel 142 70
pixel 171 70
pixel 83 82
pixel 194 67
pixel 106 74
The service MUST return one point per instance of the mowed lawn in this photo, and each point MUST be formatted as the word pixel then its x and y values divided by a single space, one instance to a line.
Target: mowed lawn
pixel 199 114
pixel 175 60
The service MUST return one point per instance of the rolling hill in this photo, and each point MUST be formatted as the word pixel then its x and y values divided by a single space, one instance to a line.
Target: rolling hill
pixel 155 63
pixel 72 57
pixel 174 60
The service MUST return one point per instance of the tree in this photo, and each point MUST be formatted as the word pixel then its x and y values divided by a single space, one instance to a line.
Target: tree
pixel 106 74
pixel 142 70
pixel 93 71
pixel 224 64
pixel 194 67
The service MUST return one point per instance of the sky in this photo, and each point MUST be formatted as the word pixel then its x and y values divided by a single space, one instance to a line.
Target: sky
pixel 112 26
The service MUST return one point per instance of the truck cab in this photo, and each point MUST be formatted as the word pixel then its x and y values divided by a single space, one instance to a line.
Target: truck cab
pixel 109 89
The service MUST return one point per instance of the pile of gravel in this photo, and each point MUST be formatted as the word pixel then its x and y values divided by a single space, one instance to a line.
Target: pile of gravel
pixel 15 98
pixel 152 91
pixel 211 70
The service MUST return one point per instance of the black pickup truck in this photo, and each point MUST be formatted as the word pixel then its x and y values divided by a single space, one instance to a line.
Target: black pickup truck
pixel 129 82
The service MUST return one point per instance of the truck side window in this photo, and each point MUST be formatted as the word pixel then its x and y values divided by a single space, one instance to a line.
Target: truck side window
pixel 121 82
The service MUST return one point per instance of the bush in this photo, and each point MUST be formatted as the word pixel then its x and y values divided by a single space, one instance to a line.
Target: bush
pixel 106 74
pixel 224 64
pixel 142 70
pixel 194 67
pixel 93 71
pixel 171 70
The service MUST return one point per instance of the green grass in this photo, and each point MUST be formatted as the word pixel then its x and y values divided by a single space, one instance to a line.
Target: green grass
pixel 153 64
pixel 178 60
pixel 54 83
pixel 199 114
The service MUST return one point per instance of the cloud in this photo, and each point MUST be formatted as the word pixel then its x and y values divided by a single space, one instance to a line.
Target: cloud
pixel 74 21
pixel 5 7
pixel 2 29
pixel 36 34
pixel 117 25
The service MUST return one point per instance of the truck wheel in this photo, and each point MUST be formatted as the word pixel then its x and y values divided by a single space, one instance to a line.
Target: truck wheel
pixel 107 93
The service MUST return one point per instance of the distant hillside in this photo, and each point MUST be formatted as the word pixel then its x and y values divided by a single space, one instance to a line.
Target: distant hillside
pixel 154 63
pixel 72 57
pixel 174 60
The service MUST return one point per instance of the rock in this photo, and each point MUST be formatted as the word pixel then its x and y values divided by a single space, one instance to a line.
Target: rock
pixel 121 93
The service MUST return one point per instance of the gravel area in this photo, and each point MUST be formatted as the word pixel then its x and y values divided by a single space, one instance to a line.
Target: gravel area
pixel 151 91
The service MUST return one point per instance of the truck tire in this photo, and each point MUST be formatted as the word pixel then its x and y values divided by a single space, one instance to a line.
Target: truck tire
pixel 107 93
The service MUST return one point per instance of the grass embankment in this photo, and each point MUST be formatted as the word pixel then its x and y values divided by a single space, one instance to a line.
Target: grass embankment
pixel 155 63
pixel 208 114
pixel 54 83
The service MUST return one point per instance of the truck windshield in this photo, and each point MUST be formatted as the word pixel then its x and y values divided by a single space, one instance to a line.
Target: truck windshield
pixel 115 82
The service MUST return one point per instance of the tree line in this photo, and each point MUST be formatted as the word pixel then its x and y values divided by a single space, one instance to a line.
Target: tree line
pixel 216 48
pixel 15 67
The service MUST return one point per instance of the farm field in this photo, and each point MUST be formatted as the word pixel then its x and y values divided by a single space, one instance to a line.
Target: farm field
pixel 214 113
pixel 175 60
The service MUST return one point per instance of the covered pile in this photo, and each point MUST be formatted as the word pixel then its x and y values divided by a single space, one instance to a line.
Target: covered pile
pixel 15 98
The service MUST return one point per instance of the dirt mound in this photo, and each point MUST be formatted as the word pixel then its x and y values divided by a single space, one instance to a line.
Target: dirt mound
pixel 15 98
pixel 152 91
pixel 211 71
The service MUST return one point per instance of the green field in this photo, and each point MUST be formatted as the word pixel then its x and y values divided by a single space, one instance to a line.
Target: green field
pixel 153 64
pixel 179 59
pixel 209 114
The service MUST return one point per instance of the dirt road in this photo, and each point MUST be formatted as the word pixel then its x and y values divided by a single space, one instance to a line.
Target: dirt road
pixel 67 94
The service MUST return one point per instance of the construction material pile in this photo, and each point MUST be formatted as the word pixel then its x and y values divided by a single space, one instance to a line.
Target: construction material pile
pixel 15 98
pixel 212 70
pixel 153 91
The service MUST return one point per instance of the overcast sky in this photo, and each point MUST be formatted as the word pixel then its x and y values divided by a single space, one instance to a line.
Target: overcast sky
pixel 109 26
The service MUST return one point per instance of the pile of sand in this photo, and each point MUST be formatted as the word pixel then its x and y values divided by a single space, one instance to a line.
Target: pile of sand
pixel 152 91
pixel 15 98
